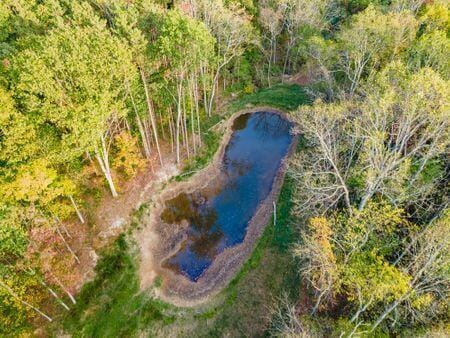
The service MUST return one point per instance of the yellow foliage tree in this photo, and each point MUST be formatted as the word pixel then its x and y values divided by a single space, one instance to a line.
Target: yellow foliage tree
pixel 128 158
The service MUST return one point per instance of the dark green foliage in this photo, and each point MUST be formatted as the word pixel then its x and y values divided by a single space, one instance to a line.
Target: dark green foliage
pixel 355 6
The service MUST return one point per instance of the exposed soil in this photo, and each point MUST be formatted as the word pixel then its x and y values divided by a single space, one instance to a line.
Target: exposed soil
pixel 112 215
pixel 158 241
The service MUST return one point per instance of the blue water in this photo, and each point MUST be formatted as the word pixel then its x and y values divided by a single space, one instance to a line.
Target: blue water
pixel 218 215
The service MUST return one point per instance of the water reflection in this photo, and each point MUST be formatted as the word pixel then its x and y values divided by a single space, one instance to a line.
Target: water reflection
pixel 218 215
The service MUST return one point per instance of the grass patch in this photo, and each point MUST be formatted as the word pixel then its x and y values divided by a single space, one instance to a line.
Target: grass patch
pixel 111 305
pixel 282 96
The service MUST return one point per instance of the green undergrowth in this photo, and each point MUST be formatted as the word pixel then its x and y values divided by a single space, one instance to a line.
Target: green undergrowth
pixel 111 305
pixel 283 96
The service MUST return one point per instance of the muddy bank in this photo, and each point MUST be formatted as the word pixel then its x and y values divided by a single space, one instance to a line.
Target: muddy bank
pixel 158 240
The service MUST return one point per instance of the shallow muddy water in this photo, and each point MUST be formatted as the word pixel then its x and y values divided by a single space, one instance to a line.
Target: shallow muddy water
pixel 217 216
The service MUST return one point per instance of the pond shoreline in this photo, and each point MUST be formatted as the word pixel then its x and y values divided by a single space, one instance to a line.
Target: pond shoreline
pixel 157 241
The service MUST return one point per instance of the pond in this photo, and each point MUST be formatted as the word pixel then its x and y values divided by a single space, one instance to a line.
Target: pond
pixel 218 214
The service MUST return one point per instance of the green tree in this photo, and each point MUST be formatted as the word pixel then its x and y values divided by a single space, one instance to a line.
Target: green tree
pixel 178 36
pixel 17 135
pixel 71 85
pixel 371 40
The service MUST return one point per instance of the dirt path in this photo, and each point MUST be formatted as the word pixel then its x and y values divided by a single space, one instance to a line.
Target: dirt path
pixel 113 213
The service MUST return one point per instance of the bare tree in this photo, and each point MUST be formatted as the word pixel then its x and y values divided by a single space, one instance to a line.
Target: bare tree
pixel 405 125
pixel 407 5
pixel 231 27
pixel 322 169
pixel 287 322
pixel 427 260
pixel 271 18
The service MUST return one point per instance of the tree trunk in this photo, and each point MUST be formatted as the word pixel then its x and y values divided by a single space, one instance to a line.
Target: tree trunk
pixel 66 244
pixel 171 130
pixel 103 162
pixel 213 91
pixel 144 138
pixel 55 295
pixel 191 106
pixel 68 293
pixel 177 127
pixel 14 295
pixel 186 135
pixel 152 115
pixel 80 216
pixel 197 111
pixel 205 94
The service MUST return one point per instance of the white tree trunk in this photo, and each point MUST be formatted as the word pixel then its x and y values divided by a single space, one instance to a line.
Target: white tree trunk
pixel 151 115
pixel 103 162
pixel 80 216
pixel 13 294
pixel 67 244
pixel 55 295
pixel 178 123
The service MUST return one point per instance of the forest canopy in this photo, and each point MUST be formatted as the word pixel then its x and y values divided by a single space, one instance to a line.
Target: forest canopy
pixel 95 92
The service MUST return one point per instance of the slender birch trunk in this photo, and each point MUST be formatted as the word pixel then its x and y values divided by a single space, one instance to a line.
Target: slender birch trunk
pixel 144 138
pixel 191 98
pixel 171 129
pixel 205 94
pixel 61 285
pixel 14 295
pixel 80 216
pixel 213 91
pixel 177 132
pixel 151 114
pixel 67 244
pixel 185 133
pixel 103 162
pixel 197 111
pixel 55 295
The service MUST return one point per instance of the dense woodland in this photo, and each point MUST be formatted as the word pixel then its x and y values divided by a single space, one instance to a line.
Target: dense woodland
pixel 93 92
